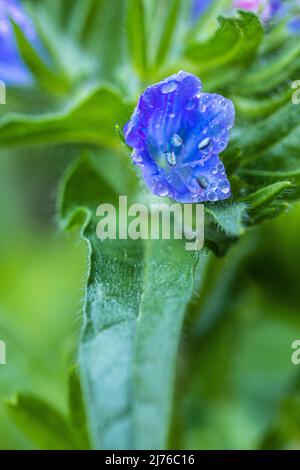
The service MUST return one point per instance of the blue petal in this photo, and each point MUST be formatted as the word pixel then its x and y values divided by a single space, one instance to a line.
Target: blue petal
pixel 177 133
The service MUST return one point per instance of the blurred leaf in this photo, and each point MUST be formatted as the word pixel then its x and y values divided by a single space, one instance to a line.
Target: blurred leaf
pixel 90 119
pixel 263 107
pixel 168 31
pixel 248 144
pixel 265 195
pixel 77 409
pixel 236 40
pixel 137 35
pixel 82 16
pixel 231 403
pixel 48 79
pixel 265 75
pixel 44 424
pixel 96 27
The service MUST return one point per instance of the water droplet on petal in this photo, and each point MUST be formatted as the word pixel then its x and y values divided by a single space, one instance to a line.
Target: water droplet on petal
pixel 168 87
pixel 162 190
pixel 224 186
pixel 220 166
pixel 171 158
pixel 203 181
pixel 211 196
pixel 214 171
pixel 204 143
pixel 203 108
pixel 176 140
pixel 190 104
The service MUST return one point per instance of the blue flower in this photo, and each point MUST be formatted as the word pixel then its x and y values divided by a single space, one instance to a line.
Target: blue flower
pixel 177 133
pixel 12 68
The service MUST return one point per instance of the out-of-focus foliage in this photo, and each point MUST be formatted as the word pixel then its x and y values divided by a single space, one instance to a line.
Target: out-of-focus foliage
pixel 236 386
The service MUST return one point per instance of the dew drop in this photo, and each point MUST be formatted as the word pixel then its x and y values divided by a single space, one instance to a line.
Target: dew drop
pixel 224 186
pixel 220 166
pixel 203 108
pixel 214 171
pixel 171 158
pixel 168 87
pixel 203 181
pixel 211 196
pixel 176 140
pixel 190 104
pixel 204 143
pixel 162 190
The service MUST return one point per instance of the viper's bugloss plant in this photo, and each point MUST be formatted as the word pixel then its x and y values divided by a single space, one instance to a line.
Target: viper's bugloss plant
pixel 12 68
pixel 225 133
pixel 177 133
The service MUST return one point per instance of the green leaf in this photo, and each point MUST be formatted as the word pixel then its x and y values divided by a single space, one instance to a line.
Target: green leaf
pixel 251 107
pixel 264 75
pixel 224 225
pixel 258 176
pixel 266 195
pixel 236 40
pixel 136 32
pixel 229 217
pixel 51 81
pixel 136 297
pixel 44 424
pixel 91 119
pixel 77 410
pixel 249 143
pixel 167 34
pixel 82 16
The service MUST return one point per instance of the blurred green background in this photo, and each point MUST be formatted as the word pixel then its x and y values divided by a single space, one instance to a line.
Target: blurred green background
pixel 236 385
